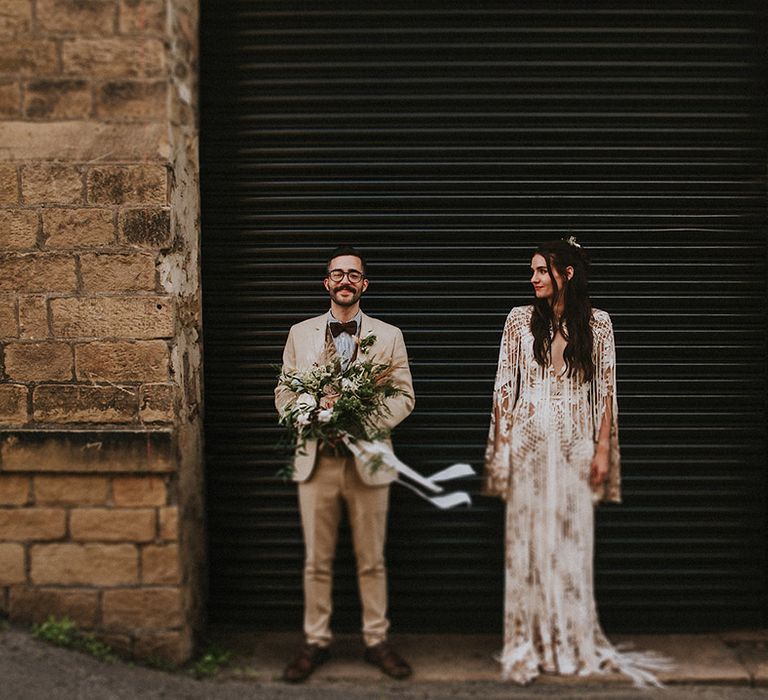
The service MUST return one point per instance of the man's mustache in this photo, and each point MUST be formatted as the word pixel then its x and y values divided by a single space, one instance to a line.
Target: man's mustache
pixel 345 288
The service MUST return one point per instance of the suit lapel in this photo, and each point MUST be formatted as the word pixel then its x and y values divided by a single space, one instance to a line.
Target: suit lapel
pixel 316 346
pixel 366 328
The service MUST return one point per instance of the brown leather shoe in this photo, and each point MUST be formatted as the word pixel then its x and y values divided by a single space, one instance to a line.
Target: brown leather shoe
pixel 310 657
pixel 388 660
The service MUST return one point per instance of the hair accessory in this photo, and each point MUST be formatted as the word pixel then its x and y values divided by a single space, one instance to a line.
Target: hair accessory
pixel 571 240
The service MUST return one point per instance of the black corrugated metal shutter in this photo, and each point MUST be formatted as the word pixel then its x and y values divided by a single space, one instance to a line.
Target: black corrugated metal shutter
pixel 447 139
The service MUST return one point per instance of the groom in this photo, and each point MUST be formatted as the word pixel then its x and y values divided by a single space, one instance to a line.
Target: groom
pixel 326 478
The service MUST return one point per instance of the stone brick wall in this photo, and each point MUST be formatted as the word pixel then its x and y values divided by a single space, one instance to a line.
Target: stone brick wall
pixel 101 504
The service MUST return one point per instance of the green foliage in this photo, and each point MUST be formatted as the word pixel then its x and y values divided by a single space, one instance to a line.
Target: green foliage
pixel 64 633
pixel 212 660
pixel 98 650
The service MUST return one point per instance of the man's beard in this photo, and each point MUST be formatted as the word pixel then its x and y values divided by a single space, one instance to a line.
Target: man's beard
pixel 356 294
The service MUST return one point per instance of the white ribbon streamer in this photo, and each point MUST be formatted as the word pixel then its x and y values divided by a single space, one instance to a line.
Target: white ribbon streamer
pixel 455 471
pixel 380 451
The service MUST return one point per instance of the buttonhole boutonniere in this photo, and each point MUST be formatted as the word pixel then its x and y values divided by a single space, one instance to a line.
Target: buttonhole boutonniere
pixel 366 343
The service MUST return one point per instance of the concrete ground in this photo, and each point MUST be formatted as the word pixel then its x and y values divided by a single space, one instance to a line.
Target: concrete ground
pixel 708 667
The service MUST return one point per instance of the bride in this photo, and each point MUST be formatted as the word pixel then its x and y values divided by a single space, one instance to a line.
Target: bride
pixel 552 453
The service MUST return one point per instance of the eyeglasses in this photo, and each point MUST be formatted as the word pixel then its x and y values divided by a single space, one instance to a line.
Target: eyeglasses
pixel 353 276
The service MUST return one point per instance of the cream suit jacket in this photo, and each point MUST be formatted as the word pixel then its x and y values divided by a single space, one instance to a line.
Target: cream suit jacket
pixel 306 346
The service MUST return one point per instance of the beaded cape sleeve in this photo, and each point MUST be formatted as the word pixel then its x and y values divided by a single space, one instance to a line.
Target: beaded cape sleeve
pixel 498 452
pixel 604 402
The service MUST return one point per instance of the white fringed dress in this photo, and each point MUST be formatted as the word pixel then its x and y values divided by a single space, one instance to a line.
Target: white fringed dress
pixel 542 438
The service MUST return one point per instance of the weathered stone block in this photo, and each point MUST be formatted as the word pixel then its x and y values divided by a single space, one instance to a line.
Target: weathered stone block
pixel 13 404
pixel 160 564
pixel 128 184
pixel 134 100
pixel 18 228
pixel 14 490
pixel 11 564
pixel 76 16
pixel 125 57
pixel 168 523
pixel 29 57
pixel 145 360
pixel 76 228
pixel 16 17
pixel 84 564
pixel 57 99
pixel 9 190
pixel 39 361
pixel 32 523
pixel 148 608
pixel 52 183
pixel 8 326
pixel 107 524
pixel 83 140
pixel 89 451
pixel 29 604
pixel 58 403
pixel 138 491
pixel 172 647
pixel 125 317
pixel 35 272
pixel 148 228
pixel 10 99
pixel 33 317
pixel 117 273
pixel 71 490
pixel 120 643
pixel 142 16
pixel 157 403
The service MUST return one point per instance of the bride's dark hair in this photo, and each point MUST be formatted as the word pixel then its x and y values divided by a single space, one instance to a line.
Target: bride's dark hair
pixel 574 324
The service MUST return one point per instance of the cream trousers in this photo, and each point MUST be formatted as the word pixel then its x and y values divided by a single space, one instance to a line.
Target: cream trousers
pixel 333 481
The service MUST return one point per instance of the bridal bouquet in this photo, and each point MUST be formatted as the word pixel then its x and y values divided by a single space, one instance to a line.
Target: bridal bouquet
pixel 334 404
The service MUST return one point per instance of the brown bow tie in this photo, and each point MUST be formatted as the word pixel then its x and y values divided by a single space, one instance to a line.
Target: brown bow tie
pixel 338 328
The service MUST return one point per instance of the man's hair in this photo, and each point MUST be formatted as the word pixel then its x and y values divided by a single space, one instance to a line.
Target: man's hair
pixel 346 250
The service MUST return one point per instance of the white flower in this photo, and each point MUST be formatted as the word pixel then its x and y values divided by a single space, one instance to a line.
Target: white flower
pixel 571 240
pixel 302 419
pixel 325 415
pixel 348 384
pixel 306 402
